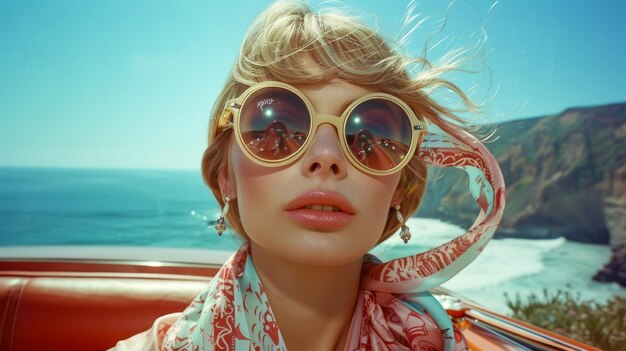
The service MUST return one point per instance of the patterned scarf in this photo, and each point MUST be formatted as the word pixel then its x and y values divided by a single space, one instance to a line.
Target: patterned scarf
pixel 394 310
pixel 233 313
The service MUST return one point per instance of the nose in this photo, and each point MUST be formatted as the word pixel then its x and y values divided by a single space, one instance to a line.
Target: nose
pixel 324 156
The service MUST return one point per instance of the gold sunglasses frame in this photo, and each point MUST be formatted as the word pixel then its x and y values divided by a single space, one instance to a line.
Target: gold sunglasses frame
pixel 231 115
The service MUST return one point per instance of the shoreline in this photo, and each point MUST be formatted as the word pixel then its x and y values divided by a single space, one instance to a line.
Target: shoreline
pixel 515 266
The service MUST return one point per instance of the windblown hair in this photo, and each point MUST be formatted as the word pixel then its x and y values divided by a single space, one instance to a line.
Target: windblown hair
pixel 282 43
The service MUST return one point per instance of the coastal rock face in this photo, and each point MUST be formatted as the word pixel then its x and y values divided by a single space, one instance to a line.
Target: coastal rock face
pixel 565 176
pixel 615 269
pixel 615 206
pixel 561 170
pixel 615 214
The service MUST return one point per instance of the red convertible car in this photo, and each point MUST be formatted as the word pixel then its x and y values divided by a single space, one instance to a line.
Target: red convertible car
pixel 93 297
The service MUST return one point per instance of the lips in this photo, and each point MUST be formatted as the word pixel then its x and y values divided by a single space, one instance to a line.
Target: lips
pixel 321 210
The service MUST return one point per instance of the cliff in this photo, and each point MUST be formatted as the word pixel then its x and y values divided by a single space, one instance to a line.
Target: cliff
pixel 565 176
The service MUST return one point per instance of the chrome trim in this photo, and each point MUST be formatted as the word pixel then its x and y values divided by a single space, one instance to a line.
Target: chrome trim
pixel 116 254
pixel 113 262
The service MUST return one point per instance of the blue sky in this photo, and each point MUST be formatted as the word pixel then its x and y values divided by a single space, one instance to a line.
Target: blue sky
pixel 130 84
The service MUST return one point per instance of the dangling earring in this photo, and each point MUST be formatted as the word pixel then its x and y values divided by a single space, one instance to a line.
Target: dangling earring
pixel 405 233
pixel 220 224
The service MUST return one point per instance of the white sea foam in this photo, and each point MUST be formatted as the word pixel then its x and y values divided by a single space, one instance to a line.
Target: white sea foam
pixel 512 266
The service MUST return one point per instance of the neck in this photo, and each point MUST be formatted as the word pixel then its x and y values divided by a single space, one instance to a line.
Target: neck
pixel 313 305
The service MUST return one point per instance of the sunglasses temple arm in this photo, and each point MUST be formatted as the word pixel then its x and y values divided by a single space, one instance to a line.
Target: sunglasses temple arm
pixel 226 119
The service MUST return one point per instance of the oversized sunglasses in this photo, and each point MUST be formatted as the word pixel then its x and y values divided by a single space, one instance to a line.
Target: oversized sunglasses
pixel 274 125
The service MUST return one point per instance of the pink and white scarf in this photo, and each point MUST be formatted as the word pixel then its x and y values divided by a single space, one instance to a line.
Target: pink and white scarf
pixel 394 310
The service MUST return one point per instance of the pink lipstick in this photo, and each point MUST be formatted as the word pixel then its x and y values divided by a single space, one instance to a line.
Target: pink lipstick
pixel 321 210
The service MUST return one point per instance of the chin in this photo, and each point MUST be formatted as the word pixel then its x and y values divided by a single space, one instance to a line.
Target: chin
pixel 325 251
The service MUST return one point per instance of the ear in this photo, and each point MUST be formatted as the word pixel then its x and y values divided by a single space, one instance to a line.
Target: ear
pixel 397 197
pixel 226 183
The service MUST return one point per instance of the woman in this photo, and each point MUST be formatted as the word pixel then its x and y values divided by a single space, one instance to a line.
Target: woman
pixel 318 150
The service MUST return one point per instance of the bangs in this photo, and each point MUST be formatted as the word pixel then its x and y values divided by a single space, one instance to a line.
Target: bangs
pixel 304 48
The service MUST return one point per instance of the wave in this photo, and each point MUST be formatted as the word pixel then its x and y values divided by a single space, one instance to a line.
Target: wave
pixel 512 266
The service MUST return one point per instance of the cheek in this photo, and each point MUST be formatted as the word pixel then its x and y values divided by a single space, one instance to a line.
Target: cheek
pixel 382 188
pixel 242 166
pixel 256 187
pixel 245 172
pixel 380 198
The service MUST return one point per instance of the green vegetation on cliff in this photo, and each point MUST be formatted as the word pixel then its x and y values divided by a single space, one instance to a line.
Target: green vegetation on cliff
pixel 599 325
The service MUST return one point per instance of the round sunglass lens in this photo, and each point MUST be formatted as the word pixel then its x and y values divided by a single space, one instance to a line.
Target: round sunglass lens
pixel 274 123
pixel 378 134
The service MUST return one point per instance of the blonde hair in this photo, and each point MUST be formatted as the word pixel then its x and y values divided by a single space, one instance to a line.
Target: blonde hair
pixel 281 44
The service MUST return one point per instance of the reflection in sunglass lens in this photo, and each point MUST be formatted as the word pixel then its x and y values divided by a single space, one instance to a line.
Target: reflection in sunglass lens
pixel 274 123
pixel 378 134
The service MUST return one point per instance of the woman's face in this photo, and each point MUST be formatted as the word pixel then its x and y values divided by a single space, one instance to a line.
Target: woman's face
pixel 285 210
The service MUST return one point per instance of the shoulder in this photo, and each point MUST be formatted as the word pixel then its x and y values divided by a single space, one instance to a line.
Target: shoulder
pixel 151 339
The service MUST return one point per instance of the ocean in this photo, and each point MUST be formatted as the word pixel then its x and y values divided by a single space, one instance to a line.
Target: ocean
pixel 174 209
pixel 159 208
